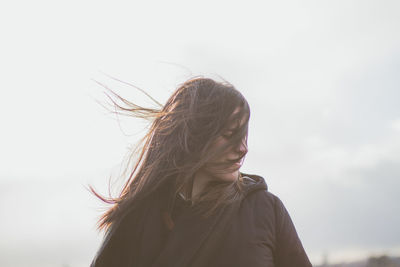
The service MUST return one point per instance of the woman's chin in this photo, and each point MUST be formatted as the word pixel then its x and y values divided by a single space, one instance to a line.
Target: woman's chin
pixel 228 177
pixel 225 176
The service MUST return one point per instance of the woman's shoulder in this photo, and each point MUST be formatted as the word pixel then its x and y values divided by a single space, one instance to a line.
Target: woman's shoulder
pixel 260 210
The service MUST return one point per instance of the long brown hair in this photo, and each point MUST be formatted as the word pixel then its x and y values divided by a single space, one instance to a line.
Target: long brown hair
pixel 179 143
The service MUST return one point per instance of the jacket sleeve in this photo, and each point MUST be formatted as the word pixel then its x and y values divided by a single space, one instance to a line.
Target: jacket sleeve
pixel 289 250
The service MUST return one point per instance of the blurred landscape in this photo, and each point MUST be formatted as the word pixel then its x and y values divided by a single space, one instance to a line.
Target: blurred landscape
pixel 380 261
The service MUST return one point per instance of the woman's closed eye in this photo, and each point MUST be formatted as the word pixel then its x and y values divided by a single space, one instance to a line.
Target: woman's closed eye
pixel 227 135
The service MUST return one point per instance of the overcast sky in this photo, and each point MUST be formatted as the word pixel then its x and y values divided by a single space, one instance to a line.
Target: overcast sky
pixel 321 77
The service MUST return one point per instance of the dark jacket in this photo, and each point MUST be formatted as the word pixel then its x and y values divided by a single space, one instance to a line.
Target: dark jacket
pixel 257 232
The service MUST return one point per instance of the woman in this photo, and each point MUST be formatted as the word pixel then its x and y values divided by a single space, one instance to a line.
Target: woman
pixel 185 202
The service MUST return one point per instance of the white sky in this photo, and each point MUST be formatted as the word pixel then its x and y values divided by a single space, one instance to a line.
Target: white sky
pixel 322 79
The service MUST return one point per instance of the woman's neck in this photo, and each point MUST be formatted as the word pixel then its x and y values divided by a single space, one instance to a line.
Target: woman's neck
pixel 199 183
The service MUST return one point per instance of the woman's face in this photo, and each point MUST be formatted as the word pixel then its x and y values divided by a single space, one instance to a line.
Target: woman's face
pixel 231 172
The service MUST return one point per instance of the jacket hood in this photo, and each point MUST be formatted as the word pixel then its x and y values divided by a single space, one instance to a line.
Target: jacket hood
pixel 253 183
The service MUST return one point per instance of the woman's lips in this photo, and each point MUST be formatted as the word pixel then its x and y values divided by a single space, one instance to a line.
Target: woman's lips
pixel 237 164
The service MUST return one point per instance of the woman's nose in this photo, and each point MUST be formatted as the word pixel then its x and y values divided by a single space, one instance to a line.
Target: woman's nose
pixel 242 148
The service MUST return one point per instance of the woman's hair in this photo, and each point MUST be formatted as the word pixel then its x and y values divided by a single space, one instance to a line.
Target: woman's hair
pixel 179 143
